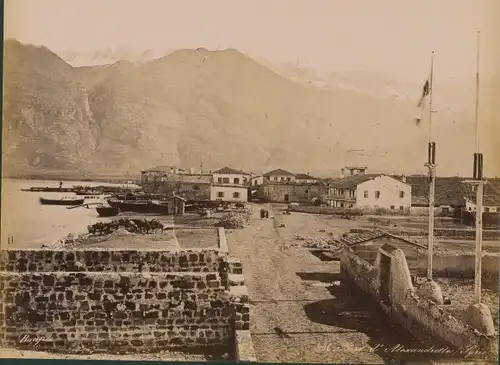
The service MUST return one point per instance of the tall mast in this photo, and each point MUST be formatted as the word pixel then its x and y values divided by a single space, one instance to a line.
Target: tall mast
pixel 477 96
pixel 431 164
pixel 430 96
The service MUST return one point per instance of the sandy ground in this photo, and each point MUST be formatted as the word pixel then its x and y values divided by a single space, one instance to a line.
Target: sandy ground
pixel 10 353
pixel 300 311
pixel 296 314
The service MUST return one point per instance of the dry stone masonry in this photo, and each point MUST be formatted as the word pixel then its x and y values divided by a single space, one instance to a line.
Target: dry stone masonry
pixel 120 301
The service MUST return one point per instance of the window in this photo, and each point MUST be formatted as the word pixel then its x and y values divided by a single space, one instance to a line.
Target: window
pixel 445 210
pixel 341 205
pixel 486 209
pixel 219 180
pixel 225 180
pixel 392 207
pixel 401 208
pixel 377 194
pixel 255 182
pixel 307 191
pixel 401 194
pixel 236 194
pixel 220 194
pixel 366 194
pixel 196 187
pixel 236 180
pixel 288 179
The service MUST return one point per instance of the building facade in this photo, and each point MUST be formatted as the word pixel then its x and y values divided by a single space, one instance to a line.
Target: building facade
pixel 292 192
pixel 305 179
pixel 371 193
pixel 227 193
pixel 228 175
pixel 278 175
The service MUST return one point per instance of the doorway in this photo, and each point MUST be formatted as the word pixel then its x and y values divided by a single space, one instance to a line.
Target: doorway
pixel 287 197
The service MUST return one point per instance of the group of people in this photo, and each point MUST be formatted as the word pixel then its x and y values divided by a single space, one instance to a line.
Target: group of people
pixel 264 213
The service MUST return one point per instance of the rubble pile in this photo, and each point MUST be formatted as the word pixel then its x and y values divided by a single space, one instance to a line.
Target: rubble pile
pixel 319 242
pixel 70 240
pixel 126 224
pixel 233 220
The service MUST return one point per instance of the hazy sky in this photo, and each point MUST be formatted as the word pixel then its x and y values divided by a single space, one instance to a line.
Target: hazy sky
pixel 391 36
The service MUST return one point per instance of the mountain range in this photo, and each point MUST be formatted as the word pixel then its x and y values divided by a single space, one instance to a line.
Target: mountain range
pixel 218 108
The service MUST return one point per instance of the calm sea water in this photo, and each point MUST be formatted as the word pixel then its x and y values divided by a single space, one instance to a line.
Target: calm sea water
pixel 32 224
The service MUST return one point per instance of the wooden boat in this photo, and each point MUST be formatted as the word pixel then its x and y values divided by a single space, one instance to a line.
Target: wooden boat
pixel 140 206
pixel 63 201
pixel 107 211
pixel 89 192
pixel 48 190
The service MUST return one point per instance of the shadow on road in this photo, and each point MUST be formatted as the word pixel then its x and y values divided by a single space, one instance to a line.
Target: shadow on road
pixel 349 310
pixel 324 277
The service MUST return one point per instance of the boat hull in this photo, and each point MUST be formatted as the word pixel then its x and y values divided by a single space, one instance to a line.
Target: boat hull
pixel 140 207
pixel 107 211
pixel 61 201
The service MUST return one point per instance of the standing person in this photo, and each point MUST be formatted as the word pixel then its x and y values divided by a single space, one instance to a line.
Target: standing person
pixel 262 213
pixel 60 184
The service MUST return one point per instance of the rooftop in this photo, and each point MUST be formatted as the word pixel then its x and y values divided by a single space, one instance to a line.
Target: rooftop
pixel 352 181
pixel 278 172
pixel 305 177
pixel 230 171
pixel 162 169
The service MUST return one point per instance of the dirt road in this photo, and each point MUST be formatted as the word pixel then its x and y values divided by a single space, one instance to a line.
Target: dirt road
pixel 299 310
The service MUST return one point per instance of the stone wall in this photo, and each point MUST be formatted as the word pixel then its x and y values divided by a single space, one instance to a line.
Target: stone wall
pixel 422 317
pixel 120 301
pixel 140 311
pixel 450 233
pixel 323 210
pixel 195 260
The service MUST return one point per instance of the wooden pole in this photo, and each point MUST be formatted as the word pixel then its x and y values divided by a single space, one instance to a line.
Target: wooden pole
pixel 479 237
pixel 432 177
pixel 479 194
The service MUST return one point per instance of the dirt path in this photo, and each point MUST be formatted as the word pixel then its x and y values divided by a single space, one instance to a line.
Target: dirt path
pixel 297 315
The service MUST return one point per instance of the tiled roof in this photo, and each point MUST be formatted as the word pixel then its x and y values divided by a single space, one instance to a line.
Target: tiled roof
pixel 230 171
pixel 304 177
pixel 352 239
pixel 352 181
pixel 278 172
pixel 449 190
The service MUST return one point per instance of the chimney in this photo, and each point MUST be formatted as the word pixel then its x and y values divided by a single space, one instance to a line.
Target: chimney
pixel 342 173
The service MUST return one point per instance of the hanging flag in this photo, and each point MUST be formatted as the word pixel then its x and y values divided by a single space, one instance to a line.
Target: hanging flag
pixel 425 92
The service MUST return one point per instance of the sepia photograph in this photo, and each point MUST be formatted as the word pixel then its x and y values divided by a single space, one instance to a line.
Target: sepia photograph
pixel 279 181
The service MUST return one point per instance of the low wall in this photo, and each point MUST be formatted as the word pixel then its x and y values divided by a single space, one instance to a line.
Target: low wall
pixel 459 266
pixel 449 233
pixel 102 260
pixel 139 311
pixel 115 301
pixel 423 318
pixel 323 210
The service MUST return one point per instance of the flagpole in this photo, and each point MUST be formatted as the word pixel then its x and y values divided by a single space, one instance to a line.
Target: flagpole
pixel 431 164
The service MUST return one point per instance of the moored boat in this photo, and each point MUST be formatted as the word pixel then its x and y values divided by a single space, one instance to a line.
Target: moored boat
pixel 140 206
pixel 62 201
pixel 107 211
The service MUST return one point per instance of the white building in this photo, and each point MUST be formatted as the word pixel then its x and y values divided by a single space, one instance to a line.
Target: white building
pixel 228 193
pixel 279 175
pixel 491 204
pixel 305 179
pixel 371 193
pixel 228 175
pixel 257 180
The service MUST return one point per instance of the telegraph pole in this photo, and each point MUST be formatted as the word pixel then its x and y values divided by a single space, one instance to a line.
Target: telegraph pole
pixel 431 164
